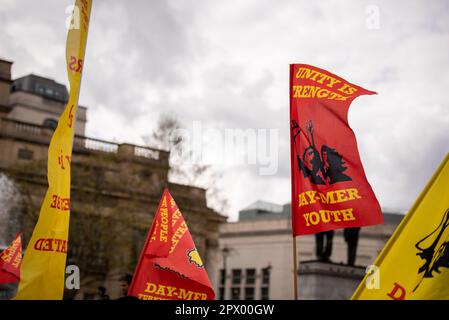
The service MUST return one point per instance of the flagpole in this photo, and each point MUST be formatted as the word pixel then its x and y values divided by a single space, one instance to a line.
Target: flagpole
pixel 292 148
pixel 295 268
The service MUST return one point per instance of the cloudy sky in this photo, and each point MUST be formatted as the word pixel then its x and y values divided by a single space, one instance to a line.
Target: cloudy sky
pixel 225 63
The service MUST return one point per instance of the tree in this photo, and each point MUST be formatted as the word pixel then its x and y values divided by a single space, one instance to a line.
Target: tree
pixel 10 201
pixel 168 136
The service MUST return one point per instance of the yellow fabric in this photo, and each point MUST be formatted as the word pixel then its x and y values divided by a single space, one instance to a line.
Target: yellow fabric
pixel 43 266
pixel 425 227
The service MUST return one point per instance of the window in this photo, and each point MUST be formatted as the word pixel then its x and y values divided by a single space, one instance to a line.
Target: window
pixel 222 284
pixel 235 293
pixel 40 89
pixel 25 154
pixel 236 276
pixel 222 277
pixel 264 294
pixel 249 293
pixel 221 293
pixel 50 123
pixel 264 290
pixel 250 276
pixel 266 276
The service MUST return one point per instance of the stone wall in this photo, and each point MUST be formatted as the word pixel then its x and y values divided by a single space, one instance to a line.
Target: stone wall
pixel 115 193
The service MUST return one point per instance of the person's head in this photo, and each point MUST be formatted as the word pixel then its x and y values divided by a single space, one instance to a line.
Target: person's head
pixel 102 293
pixel 332 159
pixel 125 282
pixel 311 159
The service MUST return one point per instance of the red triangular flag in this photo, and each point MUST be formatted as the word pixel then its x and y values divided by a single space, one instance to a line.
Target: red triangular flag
pixel 170 266
pixel 10 260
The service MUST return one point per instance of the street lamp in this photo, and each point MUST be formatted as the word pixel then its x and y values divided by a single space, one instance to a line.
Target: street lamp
pixel 225 252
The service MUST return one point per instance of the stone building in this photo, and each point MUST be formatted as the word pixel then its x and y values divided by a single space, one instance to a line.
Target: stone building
pixel 115 187
pixel 255 260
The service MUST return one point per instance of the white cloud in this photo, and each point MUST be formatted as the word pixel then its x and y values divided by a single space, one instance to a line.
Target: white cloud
pixel 226 63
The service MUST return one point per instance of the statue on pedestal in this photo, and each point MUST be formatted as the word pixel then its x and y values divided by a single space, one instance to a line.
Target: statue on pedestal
pixel 351 236
pixel 323 242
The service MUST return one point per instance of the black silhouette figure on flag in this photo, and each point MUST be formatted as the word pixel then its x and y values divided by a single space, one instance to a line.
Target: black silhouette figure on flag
pixel 436 255
pixel 327 167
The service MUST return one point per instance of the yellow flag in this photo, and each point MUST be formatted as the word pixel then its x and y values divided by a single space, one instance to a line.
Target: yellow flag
pixel 415 262
pixel 43 266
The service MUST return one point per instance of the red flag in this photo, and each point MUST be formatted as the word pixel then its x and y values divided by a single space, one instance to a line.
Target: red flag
pixel 10 260
pixel 170 267
pixel 329 186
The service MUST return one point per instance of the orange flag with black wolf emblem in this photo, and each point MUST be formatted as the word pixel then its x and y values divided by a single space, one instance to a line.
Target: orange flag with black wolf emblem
pixel 170 267
pixel 329 186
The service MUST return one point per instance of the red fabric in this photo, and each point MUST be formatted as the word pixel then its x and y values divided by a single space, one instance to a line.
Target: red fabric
pixel 170 266
pixel 10 260
pixel 329 186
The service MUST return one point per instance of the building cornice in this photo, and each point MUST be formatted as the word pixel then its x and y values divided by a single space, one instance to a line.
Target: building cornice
pixel 43 110
pixel 281 232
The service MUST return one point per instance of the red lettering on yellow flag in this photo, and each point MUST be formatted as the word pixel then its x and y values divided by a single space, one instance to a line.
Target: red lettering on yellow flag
pixel 59 203
pixel 49 244
pixel 398 292
pixel 63 161
pixel 76 64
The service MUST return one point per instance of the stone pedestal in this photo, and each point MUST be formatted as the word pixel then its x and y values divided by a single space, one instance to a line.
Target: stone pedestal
pixel 328 281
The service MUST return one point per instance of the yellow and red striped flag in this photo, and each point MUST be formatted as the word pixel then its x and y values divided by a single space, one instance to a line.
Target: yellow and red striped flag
pixel 43 266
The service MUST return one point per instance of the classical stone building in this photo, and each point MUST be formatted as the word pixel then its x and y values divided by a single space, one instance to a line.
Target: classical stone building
pixel 115 187
pixel 255 260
